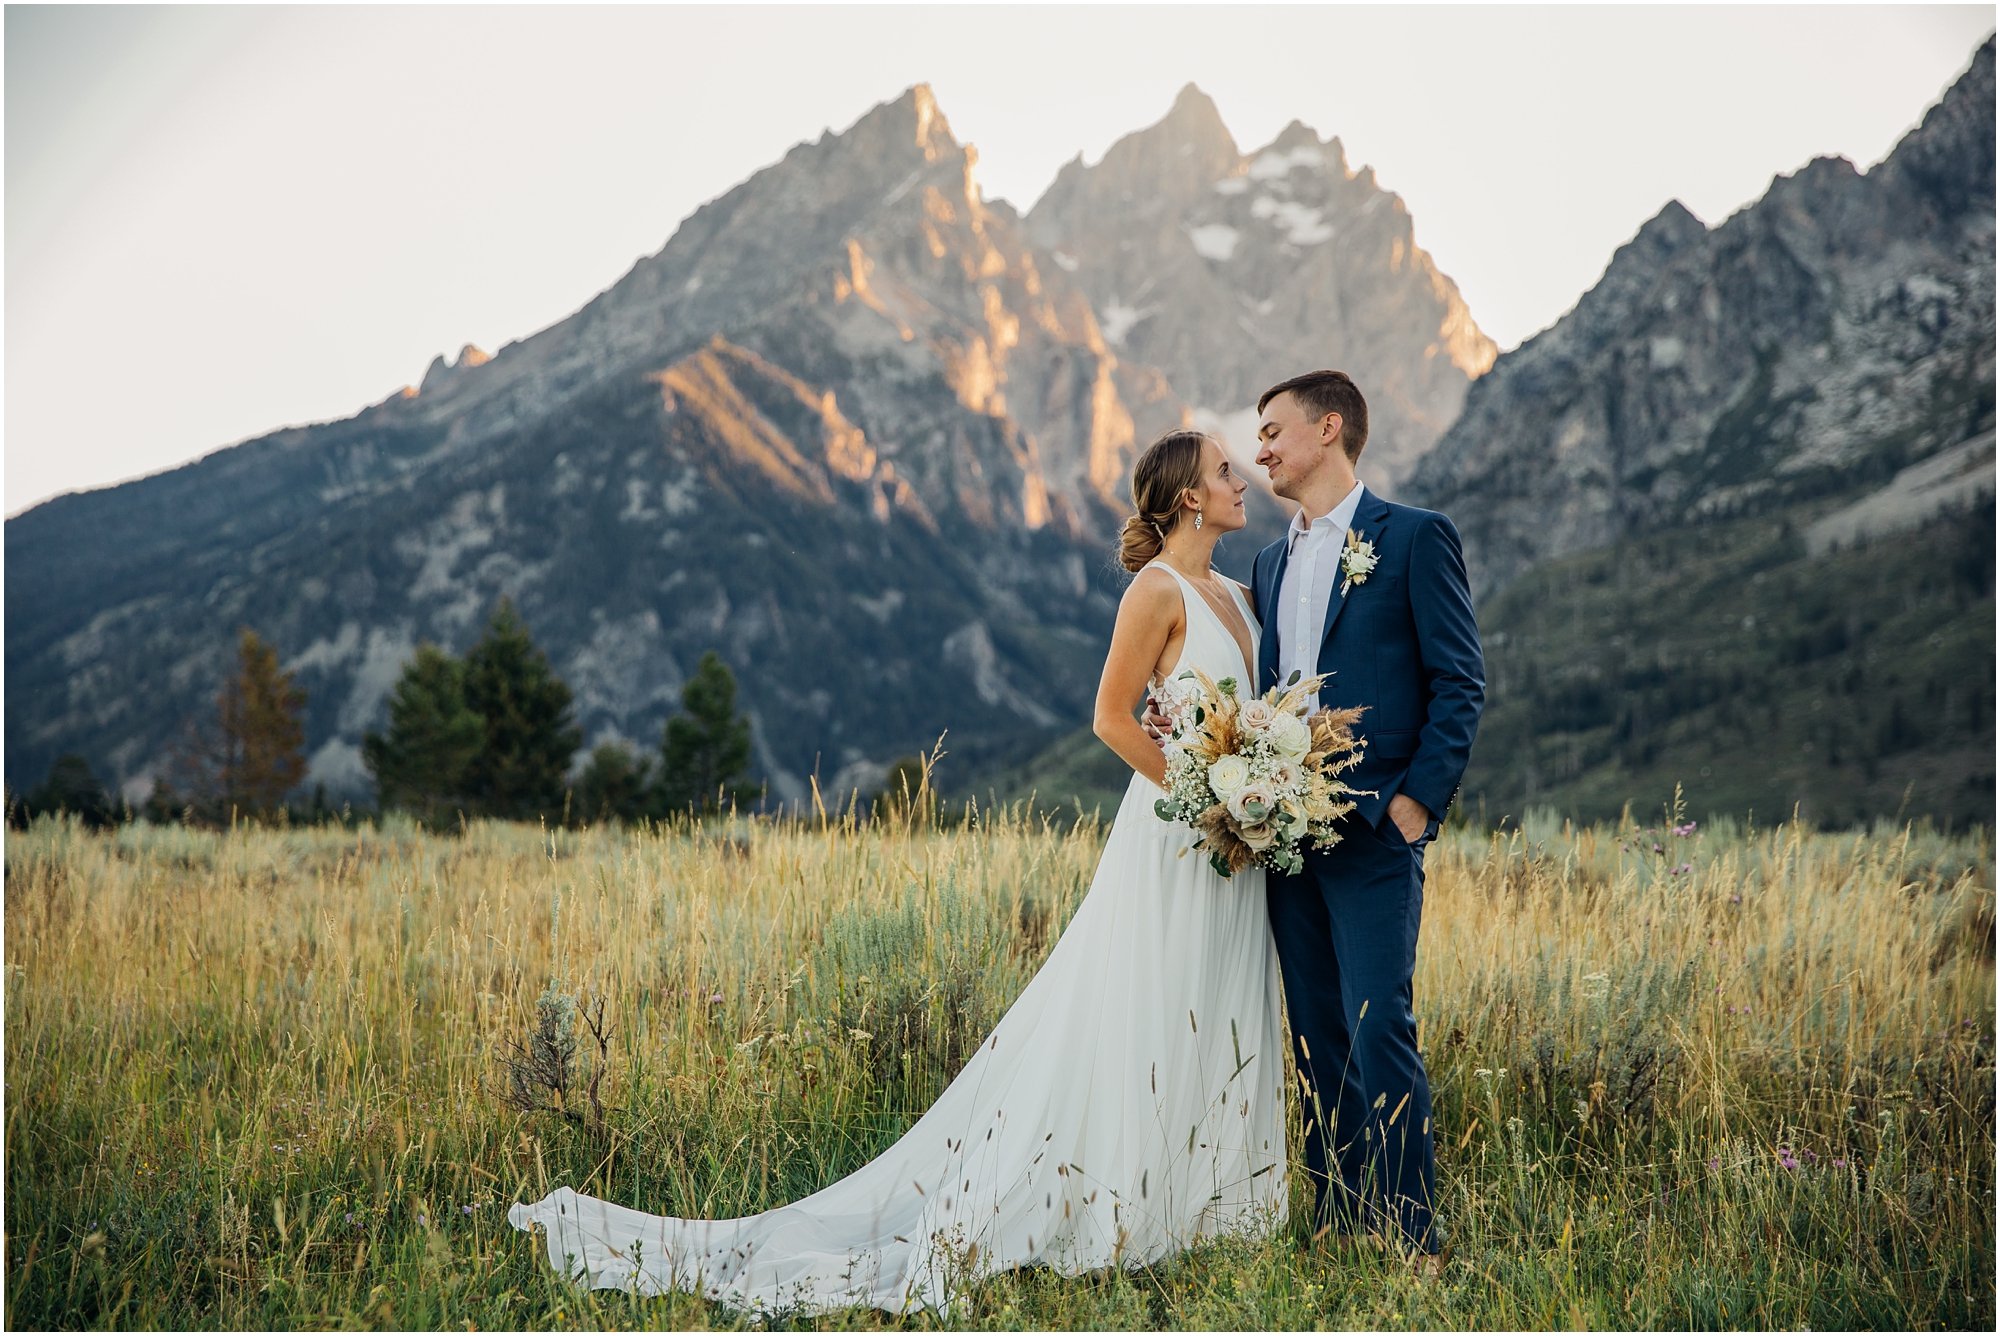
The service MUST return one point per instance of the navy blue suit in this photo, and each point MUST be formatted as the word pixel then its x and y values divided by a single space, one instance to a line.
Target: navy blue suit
pixel 1403 643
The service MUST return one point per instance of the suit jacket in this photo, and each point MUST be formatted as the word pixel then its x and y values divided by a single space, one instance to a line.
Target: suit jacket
pixel 1404 643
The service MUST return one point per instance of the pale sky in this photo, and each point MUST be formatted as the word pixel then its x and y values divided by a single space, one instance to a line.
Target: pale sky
pixel 220 221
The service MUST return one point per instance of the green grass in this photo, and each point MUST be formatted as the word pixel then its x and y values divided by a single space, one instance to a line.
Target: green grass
pixel 254 1078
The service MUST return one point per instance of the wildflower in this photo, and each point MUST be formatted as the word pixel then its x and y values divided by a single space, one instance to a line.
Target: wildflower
pixel 423 1220
pixel 1659 848
pixel 1714 1162
pixel 1685 831
pixel 1785 1158
pixel 1683 869
pixel 1840 1164
pixel 466 1211
pixel 716 998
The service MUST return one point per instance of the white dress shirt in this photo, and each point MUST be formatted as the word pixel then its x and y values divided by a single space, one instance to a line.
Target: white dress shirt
pixel 1310 577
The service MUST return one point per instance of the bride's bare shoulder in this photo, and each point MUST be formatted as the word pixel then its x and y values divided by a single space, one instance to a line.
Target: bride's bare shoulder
pixel 1153 593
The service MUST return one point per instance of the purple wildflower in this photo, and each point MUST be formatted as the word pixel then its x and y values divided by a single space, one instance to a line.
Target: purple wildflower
pixel 1683 869
pixel 1840 1164
pixel 1685 831
pixel 1785 1158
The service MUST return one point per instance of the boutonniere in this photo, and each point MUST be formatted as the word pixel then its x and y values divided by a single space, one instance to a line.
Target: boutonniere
pixel 1357 560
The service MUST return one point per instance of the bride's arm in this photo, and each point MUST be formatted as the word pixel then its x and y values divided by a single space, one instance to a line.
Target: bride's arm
pixel 1146 619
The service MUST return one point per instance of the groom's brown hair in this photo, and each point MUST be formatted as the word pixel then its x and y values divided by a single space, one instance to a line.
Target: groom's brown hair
pixel 1323 392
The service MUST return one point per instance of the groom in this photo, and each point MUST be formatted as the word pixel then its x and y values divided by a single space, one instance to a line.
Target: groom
pixel 1397 636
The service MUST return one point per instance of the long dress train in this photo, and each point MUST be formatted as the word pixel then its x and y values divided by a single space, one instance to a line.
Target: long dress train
pixel 1128 1104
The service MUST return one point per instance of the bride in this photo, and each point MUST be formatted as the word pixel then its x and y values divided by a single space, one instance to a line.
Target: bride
pixel 1131 1100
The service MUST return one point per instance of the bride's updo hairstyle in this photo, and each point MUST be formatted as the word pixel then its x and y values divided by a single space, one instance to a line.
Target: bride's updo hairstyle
pixel 1168 471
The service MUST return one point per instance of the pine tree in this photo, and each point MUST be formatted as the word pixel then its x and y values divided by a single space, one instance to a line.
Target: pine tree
pixel 264 706
pixel 70 787
pixel 705 750
pixel 520 772
pixel 421 763
pixel 613 786
pixel 244 757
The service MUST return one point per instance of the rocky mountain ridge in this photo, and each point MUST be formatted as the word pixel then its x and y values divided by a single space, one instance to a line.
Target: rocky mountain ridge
pixel 1232 270
pixel 1835 332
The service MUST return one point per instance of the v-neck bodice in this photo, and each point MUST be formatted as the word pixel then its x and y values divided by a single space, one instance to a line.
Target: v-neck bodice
pixel 1210 643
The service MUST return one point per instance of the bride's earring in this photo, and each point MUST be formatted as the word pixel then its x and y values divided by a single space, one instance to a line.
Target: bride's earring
pixel 1197 519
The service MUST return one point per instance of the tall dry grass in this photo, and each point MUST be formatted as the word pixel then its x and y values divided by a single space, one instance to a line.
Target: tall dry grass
pixel 256 1078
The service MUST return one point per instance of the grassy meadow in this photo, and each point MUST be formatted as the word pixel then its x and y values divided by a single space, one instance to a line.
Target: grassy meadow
pixel 1719 1078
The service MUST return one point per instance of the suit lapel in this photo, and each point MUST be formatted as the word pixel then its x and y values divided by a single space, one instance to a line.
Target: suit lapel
pixel 1371 517
pixel 1271 563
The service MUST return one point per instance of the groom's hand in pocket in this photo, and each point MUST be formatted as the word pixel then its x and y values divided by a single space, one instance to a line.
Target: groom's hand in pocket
pixel 1411 817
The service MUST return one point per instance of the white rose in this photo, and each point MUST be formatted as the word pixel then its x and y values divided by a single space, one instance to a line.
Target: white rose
pixel 1252 804
pixel 1361 560
pixel 1228 776
pixel 1256 716
pixel 1285 776
pixel 1291 736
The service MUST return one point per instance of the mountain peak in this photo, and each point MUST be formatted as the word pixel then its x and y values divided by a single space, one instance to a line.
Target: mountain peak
pixel 1671 228
pixel 1194 119
pixel 1296 133
pixel 914 120
pixel 1191 101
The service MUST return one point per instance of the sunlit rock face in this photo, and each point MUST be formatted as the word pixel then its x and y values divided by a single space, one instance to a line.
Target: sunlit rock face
pixel 1836 334
pixel 1231 271
pixel 868 265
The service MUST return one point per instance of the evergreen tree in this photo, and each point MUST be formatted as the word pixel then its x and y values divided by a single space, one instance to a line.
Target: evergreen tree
pixel 705 750
pixel 520 771
pixel 421 763
pixel 613 786
pixel 262 706
pixel 70 787
pixel 246 755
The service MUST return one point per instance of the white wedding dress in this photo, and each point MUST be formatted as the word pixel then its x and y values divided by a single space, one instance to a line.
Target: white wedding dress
pixel 1128 1104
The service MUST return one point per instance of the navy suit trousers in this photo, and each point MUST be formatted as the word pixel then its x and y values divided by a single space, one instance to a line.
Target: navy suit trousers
pixel 1346 929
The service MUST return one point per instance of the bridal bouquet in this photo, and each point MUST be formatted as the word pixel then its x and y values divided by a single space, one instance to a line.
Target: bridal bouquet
pixel 1256 778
